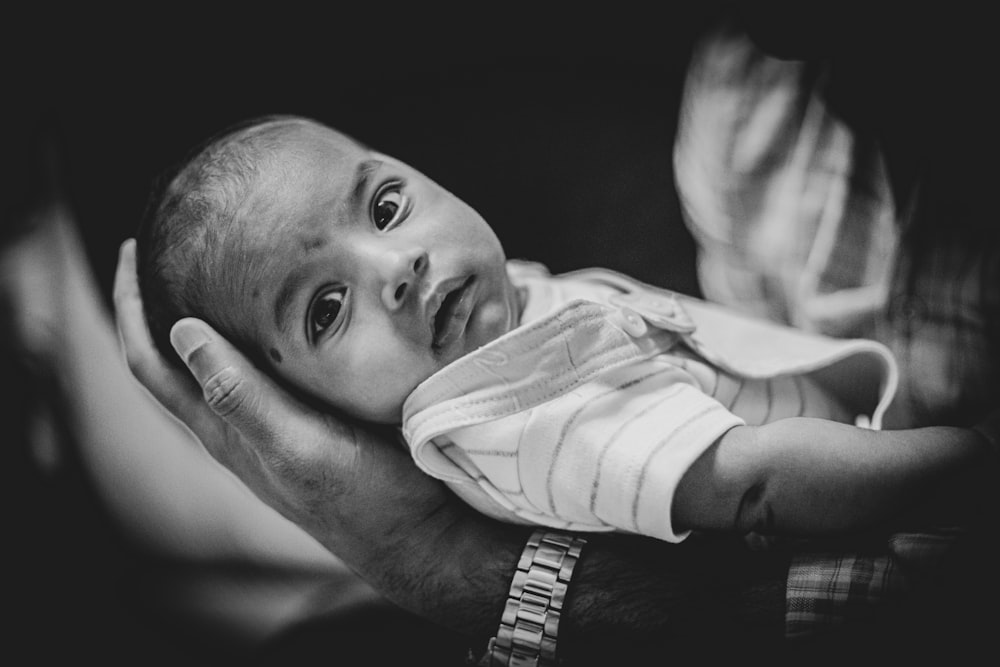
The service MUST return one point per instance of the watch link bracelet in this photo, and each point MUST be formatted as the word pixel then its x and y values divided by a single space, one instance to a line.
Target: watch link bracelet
pixel 530 622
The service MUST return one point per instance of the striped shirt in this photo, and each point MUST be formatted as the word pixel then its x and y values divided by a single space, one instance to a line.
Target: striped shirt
pixel 588 414
pixel 795 220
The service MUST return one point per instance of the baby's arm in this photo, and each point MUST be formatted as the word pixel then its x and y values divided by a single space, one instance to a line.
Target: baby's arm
pixel 806 476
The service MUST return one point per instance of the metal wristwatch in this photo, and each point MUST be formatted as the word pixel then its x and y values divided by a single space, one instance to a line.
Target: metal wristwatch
pixel 530 622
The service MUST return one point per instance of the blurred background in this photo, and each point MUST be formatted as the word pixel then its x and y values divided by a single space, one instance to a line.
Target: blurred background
pixel 557 127
pixel 557 131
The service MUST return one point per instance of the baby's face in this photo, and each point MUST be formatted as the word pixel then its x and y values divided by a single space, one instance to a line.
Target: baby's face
pixel 374 277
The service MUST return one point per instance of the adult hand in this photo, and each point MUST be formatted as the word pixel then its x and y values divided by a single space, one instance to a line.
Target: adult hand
pixel 360 495
pixel 354 489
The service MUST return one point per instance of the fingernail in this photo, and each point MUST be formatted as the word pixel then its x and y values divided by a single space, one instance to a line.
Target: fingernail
pixel 186 337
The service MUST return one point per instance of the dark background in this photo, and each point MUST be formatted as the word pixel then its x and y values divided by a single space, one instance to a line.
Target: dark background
pixel 558 132
pixel 557 128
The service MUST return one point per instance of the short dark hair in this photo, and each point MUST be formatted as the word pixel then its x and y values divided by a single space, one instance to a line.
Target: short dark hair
pixel 191 209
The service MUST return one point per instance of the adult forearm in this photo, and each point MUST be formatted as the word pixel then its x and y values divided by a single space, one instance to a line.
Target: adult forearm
pixel 634 598
pixel 629 596
pixel 456 572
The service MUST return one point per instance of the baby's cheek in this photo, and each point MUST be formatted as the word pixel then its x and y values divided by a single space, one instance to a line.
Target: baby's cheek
pixel 384 386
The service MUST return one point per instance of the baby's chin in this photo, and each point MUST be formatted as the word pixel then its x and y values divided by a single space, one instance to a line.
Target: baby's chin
pixel 499 319
pixel 493 319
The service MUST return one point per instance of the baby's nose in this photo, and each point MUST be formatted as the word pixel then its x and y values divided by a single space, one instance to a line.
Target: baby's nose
pixel 404 271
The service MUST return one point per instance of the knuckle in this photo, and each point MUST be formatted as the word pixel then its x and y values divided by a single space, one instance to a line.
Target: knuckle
pixel 290 465
pixel 314 486
pixel 225 392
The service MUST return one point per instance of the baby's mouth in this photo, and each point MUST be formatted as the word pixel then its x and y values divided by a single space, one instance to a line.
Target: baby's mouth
pixel 451 317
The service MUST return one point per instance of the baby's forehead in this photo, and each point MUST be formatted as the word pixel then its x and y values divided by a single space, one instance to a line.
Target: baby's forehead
pixel 310 141
pixel 310 168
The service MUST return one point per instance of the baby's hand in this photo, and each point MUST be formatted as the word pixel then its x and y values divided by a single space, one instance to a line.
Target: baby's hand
pixel 759 541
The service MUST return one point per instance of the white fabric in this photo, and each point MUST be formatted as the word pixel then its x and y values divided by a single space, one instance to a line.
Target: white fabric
pixel 587 415
pixel 793 217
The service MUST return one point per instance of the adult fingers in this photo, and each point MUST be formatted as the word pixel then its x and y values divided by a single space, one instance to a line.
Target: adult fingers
pixel 171 386
pixel 276 424
pixel 132 330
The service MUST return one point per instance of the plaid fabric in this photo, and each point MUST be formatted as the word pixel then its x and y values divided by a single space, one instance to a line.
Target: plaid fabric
pixel 795 220
pixel 828 590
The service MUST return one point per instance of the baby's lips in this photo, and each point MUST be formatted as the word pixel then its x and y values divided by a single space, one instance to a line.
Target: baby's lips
pixel 453 315
pixel 435 300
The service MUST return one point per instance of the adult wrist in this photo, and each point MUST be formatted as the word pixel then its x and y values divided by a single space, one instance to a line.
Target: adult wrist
pixel 529 626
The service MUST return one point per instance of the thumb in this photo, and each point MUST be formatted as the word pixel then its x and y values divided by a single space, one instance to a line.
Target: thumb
pixel 233 387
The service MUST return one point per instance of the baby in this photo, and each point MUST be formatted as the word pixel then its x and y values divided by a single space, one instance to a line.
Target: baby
pixel 586 401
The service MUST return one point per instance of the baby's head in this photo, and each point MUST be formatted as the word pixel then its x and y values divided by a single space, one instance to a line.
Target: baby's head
pixel 350 275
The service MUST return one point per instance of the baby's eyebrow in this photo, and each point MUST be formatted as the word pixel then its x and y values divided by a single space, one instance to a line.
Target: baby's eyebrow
pixel 286 296
pixel 293 283
pixel 362 175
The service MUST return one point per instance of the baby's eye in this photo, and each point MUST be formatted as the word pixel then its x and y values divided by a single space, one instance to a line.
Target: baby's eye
pixel 388 206
pixel 324 311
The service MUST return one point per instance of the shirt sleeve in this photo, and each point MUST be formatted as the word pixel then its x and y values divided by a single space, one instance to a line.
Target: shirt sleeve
pixel 608 455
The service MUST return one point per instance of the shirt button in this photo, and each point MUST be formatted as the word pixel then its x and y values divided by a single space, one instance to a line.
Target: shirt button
pixel 631 322
pixel 662 307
